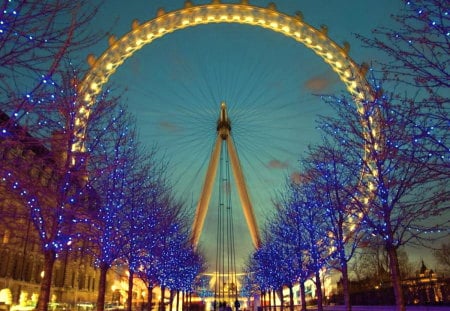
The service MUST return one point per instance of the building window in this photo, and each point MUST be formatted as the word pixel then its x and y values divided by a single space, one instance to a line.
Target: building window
pixel 6 236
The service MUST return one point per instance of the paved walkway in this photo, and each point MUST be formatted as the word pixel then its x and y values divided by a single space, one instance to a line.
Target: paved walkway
pixel 385 308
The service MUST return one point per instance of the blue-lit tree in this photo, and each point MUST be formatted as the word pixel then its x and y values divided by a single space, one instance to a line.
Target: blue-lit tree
pixel 405 133
pixel 147 272
pixel 279 266
pixel 249 287
pixel 261 269
pixel 252 282
pixel 267 266
pixel 135 223
pixel 38 94
pixel 284 236
pixel 417 60
pixel 336 186
pixel 305 205
pixel 403 196
pixel 145 210
pixel 179 262
pixel 190 263
pixel 202 287
pixel 165 257
pixel 35 37
pixel 56 194
pixel 287 231
pixel 150 257
pixel 112 156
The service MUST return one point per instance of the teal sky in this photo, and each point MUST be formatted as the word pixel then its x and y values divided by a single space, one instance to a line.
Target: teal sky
pixel 174 87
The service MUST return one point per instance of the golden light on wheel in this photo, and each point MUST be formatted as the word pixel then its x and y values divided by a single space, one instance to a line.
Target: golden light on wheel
pixel 191 15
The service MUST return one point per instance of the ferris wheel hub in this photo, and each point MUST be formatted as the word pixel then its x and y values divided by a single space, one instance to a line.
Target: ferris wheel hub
pixel 223 123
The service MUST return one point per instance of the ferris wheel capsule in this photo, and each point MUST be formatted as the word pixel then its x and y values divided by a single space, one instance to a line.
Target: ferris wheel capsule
pixel 346 47
pixel 160 12
pixel 272 6
pixel 135 24
pixel 91 60
pixel 111 40
pixel 324 29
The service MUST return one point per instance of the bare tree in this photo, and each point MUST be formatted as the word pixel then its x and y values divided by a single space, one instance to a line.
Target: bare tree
pixel 442 254
pixel 371 265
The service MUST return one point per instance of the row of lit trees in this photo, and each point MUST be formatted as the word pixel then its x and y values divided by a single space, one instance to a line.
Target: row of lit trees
pixel 115 194
pixel 381 173
pixel 141 224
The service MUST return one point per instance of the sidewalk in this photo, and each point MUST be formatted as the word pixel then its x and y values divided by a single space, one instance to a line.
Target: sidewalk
pixel 385 308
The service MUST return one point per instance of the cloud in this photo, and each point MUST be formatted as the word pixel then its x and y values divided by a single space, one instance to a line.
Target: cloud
pixel 169 127
pixel 297 177
pixel 321 82
pixel 277 164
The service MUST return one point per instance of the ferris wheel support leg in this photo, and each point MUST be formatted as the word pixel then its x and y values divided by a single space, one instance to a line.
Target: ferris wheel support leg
pixel 205 196
pixel 243 193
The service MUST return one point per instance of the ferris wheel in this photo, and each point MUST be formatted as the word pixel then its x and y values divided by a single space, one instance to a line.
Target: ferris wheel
pixel 251 110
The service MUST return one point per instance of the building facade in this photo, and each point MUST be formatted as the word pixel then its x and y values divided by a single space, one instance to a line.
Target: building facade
pixel 27 163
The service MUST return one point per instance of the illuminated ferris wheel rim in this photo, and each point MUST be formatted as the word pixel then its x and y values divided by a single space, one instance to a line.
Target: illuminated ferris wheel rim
pixel 351 74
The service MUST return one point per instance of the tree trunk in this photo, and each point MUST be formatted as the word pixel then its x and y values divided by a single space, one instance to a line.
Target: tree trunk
pixel 183 299
pixel 280 293
pixel 46 283
pixel 345 285
pixel 291 298
pixel 190 301
pixel 274 300
pixel 303 295
pixel 264 303
pixel 270 300
pixel 395 279
pixel 102 287
pixel 319 292
pixel 178 300
pixel 163 293
pixel 150 297
pixel 171 300
pixel 130 291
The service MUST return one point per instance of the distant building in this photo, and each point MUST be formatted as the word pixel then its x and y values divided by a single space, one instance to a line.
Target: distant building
pixel 426 288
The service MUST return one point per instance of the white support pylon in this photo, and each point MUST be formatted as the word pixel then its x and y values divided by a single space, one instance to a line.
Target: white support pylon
pixel 224 134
